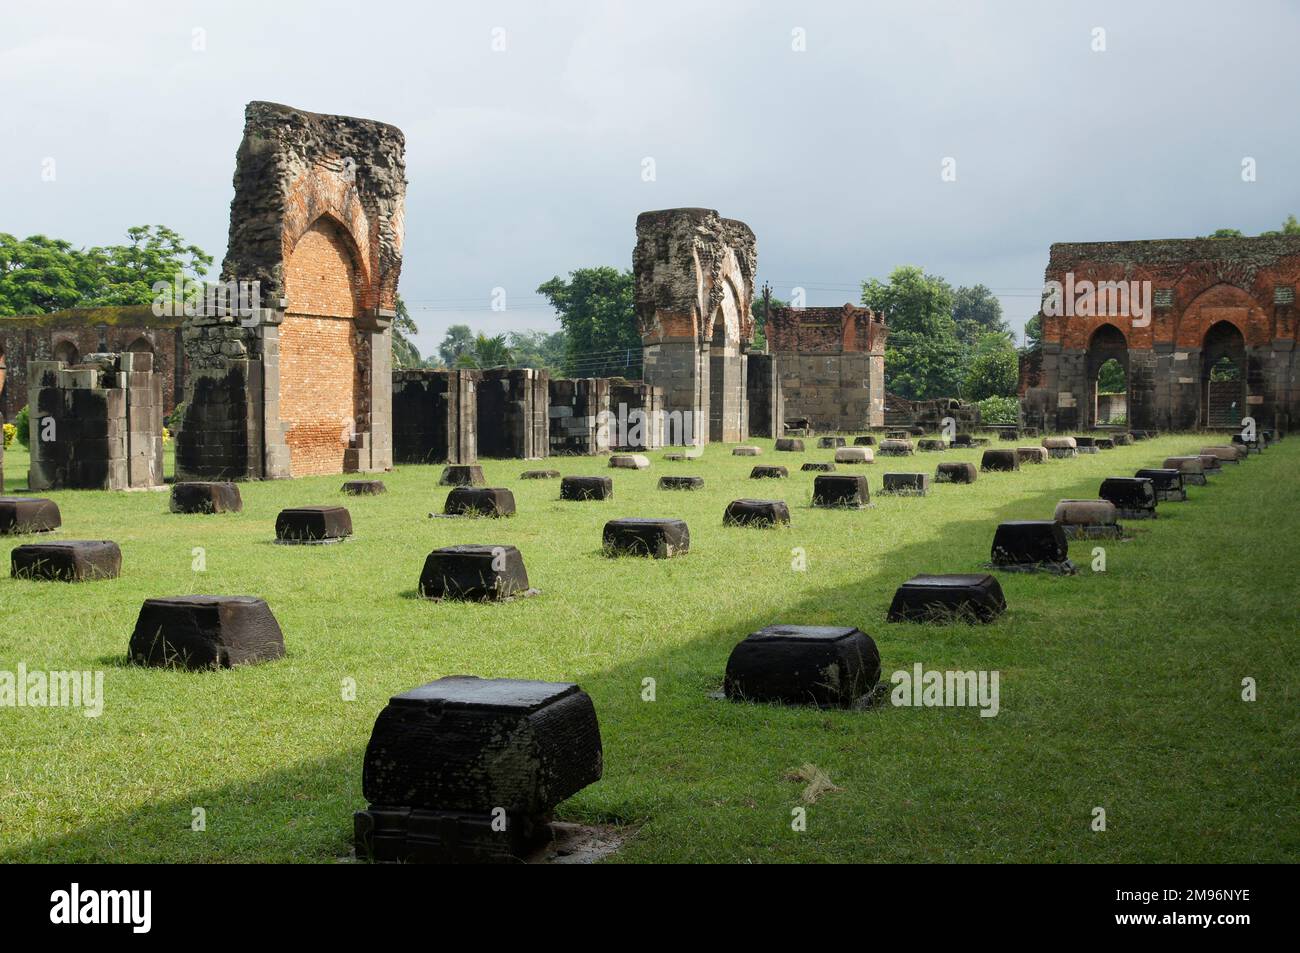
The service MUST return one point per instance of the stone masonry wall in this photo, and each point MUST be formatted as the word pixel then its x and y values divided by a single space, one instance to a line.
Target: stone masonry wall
pixel 831 363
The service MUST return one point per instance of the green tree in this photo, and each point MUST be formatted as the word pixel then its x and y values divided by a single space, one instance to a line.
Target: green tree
pixel 994 369
pixel 541 349
pixel 760 318
pixel 486 352
pixel 924 357
pixel 405 353
pixel 601 338
pixel 458 340
pixel 1110 378
pixel 977 312
pixel 1034 334
pixel 1289 227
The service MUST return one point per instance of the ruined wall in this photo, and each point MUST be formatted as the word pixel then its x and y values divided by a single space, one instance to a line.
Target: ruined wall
pixel 302 385
pixel 765 396
pixel 512 413
pixel 435 416
pixel 70 335
pixel 1209 298
pixel 639 419
pixel 831 362
pixel 575 411
pixel 96 425
pixel 694 274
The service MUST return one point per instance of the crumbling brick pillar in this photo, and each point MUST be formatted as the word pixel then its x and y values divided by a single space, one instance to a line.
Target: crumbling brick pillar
pixel 694 284
pixel 96 425
pixel 297 380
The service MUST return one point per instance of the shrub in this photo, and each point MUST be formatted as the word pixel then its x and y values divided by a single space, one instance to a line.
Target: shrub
pixel 11 434
pixel 999 410
pixel 22 426
pixel 176 419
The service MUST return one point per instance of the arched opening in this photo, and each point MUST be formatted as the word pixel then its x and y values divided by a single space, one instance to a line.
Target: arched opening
pixel 319 385
pixel 1108 383
pixel 1223 376
pixel 141 345
pixel 66 352
pixel 724 367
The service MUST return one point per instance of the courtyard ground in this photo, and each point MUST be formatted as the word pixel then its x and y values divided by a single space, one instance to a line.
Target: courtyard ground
pixel 1119 690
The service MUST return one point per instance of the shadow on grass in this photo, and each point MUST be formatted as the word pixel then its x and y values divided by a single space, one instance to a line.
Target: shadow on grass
pixel 707 778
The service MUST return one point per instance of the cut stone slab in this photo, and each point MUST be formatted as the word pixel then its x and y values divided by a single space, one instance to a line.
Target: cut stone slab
pixel 746 451
pixel 866 440
pixel 199 632
pixel 587 488
pixel 955 473
pixel 963 440
pixel 1252 446
pixel 1030 546
pixel 831 443
pixel 1226 454
pixel 540 475
pixel 629 461
pixel 474 573
pixel 313 524
pixel 896 448
pixel 1085 444
pixel 1192 469
pixel 1121 439
pixel 855 455
pixel 681 483
pixel 1134 497
pixel 761 513
pixel 68 560
pixel 906 484
pixel 491 501
pixel 789 444
pixel 826 666
pixel 20 515
pixel 818 468
pixel 948 598
pixel 1104 443
pixel 444 757
pixel 1168 483
pixel 999 461
pixel 364 487
pixel 206 498
pixel 1210 463
pixel 841 490
pixel 1033 455
pixel 1060 447
pixel 1089 519
pixel 637 536
pixel 769 473
pixel 462 474
pixel 898 434
pixel 932 444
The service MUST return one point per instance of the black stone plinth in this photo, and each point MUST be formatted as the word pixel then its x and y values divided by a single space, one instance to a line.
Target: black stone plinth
pixel 826 666
pixel 206 498
pixel 462 474
pixel 197 632
pixel 473 573
pixel 830 443
pixel 760 513
pixel 768 473
pixel 999 461
pixel 587 488
pixel 493 501
pixel 20 515
pixel 1028 545
pixel 932 444
pixel 364 487
pixel 955 473
pixel 818 468
pixel 841 490
pixel 681 483
pixel 948 598
pixel 68 560
pixel 866 440
pixel 540 475
pixel 1134 497
pixel 313 524
pixel 635 536
pixel 907 484
pixel 789 444
pixel 1168 483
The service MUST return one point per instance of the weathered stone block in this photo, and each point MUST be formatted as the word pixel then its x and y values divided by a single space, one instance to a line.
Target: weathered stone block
pixel 204 497
pixel 462 474
pixel 769 473
pixel 198 632
pixel 1033 455
pixel 1104 443
pixel 830 443
pixel 681 483
pixel 948 598
pixel 587 488
pixel 1168 483
pixel 1210 463
pixel 1192 469
pixel 629 461
pixel 746 451
pixel 473 573
pixel 444 757
pixel 826 666
pixel 20 515
pixel 540 475
pixel 896 448
pixel 313 524
pixel 955 473
pixel 480 501
pixel 364 487
pixel 841 490
pixel 1029 545
pixel 865 440
pixel 1088 519
pixel 789 444
pixel 999 461
pixel 1228 454
pixel 762 513
pixel 68 560
pixel 818 468
pixel 932 444
pixel 635 536
pixel 906 484
pixel 854 455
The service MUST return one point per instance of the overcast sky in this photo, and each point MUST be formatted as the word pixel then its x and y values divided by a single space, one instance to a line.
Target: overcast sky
pixel 527 162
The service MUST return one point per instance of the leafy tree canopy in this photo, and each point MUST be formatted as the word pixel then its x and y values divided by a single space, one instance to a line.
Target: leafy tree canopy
pixel 601 338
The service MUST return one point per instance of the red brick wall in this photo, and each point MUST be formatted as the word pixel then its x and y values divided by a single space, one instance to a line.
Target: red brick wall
pixel 318 350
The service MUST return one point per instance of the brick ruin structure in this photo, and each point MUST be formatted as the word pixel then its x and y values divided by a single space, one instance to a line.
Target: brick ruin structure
pixel 96 425
pixel 694 282
pixel 69 335
pixel 1215 344
pixel 301 385
pixel 831 365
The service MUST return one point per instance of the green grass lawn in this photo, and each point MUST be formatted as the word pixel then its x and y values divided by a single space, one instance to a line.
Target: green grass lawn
pixel 1119 690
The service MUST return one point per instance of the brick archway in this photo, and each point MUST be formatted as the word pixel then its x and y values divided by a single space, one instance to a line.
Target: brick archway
pixel 319 351
pixel 1223 400
pixel 1107 343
